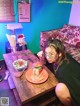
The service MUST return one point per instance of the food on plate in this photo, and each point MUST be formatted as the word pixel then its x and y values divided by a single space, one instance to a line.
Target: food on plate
pixel 20 64
pixel 37 72
pixel 37 78
pixel 37 68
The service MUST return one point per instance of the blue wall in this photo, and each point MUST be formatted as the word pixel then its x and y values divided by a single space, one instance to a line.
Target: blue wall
pixel 45 15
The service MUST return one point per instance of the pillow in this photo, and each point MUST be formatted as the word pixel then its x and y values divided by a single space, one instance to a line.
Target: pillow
pixel 71 34
pixel 64 30
pixel 69 30
pixel 45 35
pixel 78 44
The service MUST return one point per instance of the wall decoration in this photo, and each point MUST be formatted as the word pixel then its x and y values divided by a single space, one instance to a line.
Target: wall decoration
pixel 24 12
pixel 7 10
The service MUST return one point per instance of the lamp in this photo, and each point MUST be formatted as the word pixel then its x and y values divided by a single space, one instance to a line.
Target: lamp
pixel 14 26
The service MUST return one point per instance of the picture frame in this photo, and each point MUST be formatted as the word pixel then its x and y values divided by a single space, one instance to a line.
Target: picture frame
pixel 24 12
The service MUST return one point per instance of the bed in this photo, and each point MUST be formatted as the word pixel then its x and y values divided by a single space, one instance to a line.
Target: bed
pixel 69 35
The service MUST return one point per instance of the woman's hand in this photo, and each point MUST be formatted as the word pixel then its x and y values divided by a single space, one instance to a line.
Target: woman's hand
pixel 40 54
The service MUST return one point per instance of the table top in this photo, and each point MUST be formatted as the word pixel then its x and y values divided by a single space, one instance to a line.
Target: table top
pixel 28 91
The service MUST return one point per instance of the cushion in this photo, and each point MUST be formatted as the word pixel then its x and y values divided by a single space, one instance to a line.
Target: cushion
pixel 45 35
pixel 78 44
pixel 71 33
pixel 68 34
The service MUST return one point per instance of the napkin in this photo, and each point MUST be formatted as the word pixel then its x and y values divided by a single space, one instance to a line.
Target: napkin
pixel 11 83
pixel 10 80
pixel 12 40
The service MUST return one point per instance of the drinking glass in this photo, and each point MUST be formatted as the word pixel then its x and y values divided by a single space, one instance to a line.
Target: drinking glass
pixel 13 49
pixel 41 57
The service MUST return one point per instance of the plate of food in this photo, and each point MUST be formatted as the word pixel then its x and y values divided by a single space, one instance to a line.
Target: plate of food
pixel 37 74
pixel 20 64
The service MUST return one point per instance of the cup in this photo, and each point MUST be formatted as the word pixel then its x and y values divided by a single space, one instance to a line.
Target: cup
pixel 41 57
pixel 13 49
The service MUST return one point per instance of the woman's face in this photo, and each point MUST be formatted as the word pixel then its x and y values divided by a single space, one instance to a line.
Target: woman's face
pixel 51 54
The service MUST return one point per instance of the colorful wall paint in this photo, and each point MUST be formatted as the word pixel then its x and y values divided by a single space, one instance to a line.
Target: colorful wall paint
pixel 75 13
pixel 45 15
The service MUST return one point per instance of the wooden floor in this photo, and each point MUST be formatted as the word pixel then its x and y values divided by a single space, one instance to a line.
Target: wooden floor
pixel 5 90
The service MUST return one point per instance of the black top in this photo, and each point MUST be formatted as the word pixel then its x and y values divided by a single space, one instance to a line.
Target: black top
pixel 69 73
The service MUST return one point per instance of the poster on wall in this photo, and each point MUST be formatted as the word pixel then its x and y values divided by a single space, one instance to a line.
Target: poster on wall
pixel 24 12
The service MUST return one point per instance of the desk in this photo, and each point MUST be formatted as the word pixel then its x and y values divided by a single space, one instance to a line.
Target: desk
pixel 26 90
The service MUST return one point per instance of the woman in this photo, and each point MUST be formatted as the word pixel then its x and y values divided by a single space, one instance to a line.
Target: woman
pixel 67 71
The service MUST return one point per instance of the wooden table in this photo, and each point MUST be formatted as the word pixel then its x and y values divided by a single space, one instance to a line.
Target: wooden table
pixel 28 91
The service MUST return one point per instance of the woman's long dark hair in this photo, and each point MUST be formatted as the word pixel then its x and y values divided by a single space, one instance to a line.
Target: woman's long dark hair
pixel 57 44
